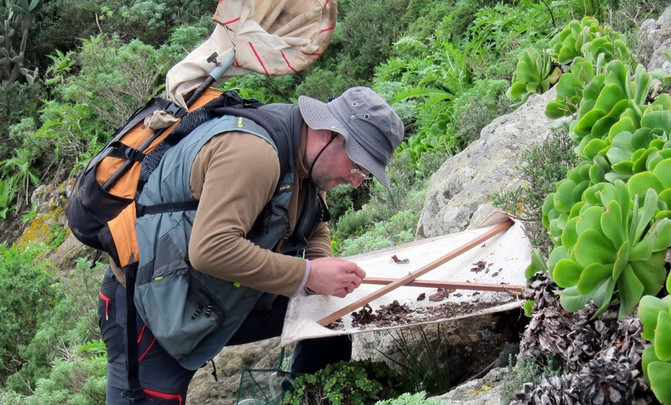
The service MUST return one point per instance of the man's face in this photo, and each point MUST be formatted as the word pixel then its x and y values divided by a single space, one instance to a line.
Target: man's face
pixel 334 168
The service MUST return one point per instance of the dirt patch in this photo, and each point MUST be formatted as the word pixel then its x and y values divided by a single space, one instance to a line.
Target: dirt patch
pixel 396 314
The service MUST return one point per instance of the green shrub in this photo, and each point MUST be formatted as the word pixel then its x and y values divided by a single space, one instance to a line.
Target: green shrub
pixel 526 370
pixel 64 331
pixel 410 399
pixel 368 28
pixel 79 381
pixel 477 107
pixel 313 84
pixel 27 294
pixel 152 22
pixel 346 383
pixel 114 78
pixel 353 222
pixel 423 16
pixel 266 89
pixel 541 167
pixel 11 397
pixel 367 242
pixel 17 102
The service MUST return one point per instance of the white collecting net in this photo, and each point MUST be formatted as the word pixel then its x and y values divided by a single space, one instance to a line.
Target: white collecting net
pixel 272 37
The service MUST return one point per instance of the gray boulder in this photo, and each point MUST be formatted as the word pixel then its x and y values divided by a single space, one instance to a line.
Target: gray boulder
pixel 654 39
pixel 457 197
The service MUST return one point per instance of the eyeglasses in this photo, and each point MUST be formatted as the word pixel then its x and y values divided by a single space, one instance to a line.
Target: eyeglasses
pixel 356 169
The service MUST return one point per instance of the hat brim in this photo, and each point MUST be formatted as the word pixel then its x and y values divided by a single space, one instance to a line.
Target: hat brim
pixel 318 115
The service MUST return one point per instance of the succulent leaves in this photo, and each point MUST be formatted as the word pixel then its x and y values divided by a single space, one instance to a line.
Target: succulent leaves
pixel 613 247
pixel 587 37
pixel 535 73
pixel 610 219
pixel 655 316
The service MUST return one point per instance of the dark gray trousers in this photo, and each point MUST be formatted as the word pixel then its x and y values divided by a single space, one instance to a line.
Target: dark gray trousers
pixel 163 379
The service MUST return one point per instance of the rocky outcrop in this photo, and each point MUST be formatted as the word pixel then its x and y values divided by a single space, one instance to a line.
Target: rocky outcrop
pixel 459 190
pixel 654 40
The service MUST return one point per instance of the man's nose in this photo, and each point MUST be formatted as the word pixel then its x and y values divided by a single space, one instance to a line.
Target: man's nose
pixel 356 179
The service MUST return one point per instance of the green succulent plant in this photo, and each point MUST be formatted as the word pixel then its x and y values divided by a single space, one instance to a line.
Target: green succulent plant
pixel 616 246
pixel 611 98
pixel 610 219
pixel 583 37
pixel 535 73
pixel 655 314
pixel 563 204
pixel 571 85
pixel 636 150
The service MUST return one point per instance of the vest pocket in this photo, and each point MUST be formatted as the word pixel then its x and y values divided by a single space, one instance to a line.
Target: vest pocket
pixel 176 311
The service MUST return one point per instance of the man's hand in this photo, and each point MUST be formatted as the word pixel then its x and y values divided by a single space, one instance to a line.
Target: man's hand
pixel 334 276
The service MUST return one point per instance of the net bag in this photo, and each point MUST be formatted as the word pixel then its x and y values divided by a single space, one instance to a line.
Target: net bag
pixel 271 37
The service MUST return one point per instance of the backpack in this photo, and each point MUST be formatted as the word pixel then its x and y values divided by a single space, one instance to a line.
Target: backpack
pixel 102 197
pixel 102 208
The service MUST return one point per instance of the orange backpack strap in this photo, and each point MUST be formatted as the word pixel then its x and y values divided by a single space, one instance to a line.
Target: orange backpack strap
pixel 123 232
pixel 126 185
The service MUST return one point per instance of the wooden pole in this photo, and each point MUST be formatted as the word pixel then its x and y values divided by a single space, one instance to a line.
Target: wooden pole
pixel 421 271
pixel 450 285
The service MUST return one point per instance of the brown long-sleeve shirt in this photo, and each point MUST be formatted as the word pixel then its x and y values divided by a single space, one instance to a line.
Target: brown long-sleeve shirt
pixel 234 176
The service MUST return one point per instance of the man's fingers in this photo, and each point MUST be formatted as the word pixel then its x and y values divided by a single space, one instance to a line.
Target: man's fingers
pixel 360 272
pixel 335 276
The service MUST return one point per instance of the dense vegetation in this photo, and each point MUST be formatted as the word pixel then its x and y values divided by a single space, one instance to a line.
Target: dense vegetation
pixel 445 66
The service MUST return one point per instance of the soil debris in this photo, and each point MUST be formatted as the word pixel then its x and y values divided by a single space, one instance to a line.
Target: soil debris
pixel 396 314
pixel 399 261
pixel 338 324
pixel 440 294
pixel 479 266
pixel 363 316
pixel 387 315
pixel 421 297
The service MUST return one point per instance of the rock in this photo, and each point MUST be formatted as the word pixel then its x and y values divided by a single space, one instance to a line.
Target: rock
pixel 458 192
pixel 230 363
pixel 654 39
pixel 69 251
pixel 481 391
pixel 50 196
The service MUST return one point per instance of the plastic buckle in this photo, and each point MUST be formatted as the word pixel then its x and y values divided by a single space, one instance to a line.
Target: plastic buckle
pixel 175 110
pixel 133 395
pixel 133 154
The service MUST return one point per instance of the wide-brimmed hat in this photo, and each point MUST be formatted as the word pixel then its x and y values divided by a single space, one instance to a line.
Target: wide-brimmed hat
pixel 372 130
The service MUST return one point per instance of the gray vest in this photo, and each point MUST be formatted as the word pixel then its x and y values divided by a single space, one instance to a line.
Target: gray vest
pixel 192 314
